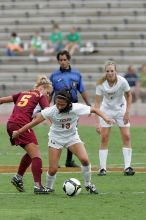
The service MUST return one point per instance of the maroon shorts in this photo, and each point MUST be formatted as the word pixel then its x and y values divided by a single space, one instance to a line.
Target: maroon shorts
pixel 25 138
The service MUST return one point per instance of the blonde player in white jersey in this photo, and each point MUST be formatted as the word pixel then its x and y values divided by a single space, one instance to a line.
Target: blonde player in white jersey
pixel 113 97
pixel 63 133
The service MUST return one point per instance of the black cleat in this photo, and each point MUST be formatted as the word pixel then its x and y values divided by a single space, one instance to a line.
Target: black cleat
pixel 91 189
pixel 18 183
pixel 50 190
pixel 42 190
pixel 102 172
pixel 129 171
pixel 71 164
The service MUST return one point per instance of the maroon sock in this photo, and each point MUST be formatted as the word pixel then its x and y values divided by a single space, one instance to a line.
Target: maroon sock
pixel 24 164
pixel 36 168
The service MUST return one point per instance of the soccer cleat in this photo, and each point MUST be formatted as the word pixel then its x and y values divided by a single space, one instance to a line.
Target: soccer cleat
pixel 50 190
pixel 129 171
pixel 18 183
pixel 102 172
pixel 71 164
pixel 42 190
pixel 91 189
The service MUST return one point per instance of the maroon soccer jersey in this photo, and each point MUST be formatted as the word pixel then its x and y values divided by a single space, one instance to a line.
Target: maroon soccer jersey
pixel 25 103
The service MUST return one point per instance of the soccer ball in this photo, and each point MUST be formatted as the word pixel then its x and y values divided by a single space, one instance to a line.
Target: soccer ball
pixel 72 187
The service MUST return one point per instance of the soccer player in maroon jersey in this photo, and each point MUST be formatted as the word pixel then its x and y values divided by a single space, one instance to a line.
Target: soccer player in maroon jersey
pixel 25 103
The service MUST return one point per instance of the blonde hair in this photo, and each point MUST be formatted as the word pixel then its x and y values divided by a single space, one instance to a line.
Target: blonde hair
pixel 42 80
pixel 107 63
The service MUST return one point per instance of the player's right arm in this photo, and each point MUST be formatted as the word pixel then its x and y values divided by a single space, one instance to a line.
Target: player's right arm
pixel 6 99
pixel 39 118
pixel 97 106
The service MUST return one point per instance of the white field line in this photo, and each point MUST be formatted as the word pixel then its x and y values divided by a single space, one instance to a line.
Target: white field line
pixel 117 164
pixel 70 172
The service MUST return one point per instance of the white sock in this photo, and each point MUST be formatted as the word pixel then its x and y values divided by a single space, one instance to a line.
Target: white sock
pixel 127 153
pixel 86 170
pixel 103 153
pixel 36 184
pixel 50 180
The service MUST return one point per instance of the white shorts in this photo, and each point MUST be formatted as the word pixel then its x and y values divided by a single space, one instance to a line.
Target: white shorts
pixel 117 115
pixel 59 143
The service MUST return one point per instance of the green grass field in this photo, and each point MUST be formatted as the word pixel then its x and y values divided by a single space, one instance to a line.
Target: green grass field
pixel 120 197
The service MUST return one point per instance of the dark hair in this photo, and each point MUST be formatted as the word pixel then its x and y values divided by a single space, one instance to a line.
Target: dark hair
pixel 63 52
pixel 14 34
pixel 65 94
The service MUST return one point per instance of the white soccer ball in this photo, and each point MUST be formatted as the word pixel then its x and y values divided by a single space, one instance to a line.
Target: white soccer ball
pixel 72 187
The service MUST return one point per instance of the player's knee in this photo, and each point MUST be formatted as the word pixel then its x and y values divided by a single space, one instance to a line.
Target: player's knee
pixel 53 170
pixel 127 138
pixel 84 161
pixel 104 140
pixel 104 137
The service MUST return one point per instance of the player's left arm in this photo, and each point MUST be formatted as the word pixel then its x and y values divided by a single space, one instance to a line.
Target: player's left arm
pixel 102 115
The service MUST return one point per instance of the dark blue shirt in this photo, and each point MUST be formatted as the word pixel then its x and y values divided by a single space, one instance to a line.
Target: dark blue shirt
pixel 68 79
pixel 132 79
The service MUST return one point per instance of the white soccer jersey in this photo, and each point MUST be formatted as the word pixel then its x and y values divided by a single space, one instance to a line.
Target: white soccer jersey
pixel 64 125
pixel 113 97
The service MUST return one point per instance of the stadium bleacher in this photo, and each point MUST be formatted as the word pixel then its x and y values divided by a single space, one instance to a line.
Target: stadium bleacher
pixel 116 27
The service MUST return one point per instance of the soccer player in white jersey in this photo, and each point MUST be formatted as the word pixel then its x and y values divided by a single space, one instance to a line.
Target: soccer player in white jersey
pixel 63 134
pixel 113 97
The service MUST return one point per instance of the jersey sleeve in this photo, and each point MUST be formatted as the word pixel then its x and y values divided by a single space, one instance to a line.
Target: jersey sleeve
pixel 15 97
pixel 47 112
pixel 81 109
